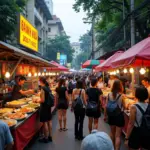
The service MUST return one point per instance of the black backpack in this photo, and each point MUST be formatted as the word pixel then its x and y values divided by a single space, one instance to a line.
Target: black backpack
pixel 145 125
pixel 50 97
pixel 78 103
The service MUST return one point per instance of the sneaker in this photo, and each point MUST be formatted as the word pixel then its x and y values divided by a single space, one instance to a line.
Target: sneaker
pixel 50 139
pixel 76 137
pixel 81 138
pixel 64 129
pixel 43 140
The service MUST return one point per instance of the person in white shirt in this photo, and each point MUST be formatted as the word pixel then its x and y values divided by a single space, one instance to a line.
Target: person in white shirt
pixel 111 81
pixel 100 84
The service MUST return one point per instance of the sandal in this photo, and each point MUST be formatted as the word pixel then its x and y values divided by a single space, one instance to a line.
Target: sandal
pixel 65 129
pixel 60 129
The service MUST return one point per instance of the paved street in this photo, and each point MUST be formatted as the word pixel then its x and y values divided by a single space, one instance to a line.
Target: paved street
pixel 65 140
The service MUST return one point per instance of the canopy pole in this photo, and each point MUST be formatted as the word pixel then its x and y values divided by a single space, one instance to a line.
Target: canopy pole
pixel 132 84
pixel 16 66
pixel 103 77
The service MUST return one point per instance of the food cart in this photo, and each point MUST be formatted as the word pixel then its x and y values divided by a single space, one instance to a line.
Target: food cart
pixel 21 115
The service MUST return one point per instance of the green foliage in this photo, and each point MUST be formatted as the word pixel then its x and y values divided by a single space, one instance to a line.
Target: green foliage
pixel 8 16
pixel 85 45
pixel 108 15
pixel 85 42
pixel 59 44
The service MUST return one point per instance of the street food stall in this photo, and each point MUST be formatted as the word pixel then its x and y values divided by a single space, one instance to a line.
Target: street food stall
pixel 135 60
pixel 21 115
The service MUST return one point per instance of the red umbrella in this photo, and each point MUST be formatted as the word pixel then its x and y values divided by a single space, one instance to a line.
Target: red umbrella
pixel 107 63
pixel 58 68
pixel 138 55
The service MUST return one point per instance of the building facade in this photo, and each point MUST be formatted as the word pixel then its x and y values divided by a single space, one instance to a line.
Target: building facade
pixel 76 47
pixel 38 14
pixel 55 27
pixel 50 5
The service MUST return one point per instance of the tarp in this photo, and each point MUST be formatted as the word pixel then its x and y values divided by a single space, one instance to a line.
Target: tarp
pixel 106 65
pixel 58 68
pixel 138 55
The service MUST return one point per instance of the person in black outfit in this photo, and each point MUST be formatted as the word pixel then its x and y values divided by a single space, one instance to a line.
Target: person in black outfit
pixel 45 111
pixel 94 95
pixel 79 114
pixel 62 103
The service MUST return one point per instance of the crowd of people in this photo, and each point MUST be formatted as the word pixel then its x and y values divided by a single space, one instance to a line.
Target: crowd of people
pixel 82 94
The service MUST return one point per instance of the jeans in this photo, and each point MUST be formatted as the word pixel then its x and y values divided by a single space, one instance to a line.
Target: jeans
pixel 79 119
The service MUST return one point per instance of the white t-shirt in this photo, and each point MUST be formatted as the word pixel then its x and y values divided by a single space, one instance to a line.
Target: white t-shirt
pixel 148 88
pixel 100 85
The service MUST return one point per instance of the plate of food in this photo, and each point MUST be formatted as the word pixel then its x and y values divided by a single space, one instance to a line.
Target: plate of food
pixel 27 110
pixel 10 122
pixel 15 104
pixel 32 105
pixel 6 110
pixel 17 116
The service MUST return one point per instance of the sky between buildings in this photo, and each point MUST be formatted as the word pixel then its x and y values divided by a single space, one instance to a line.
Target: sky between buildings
pixel 72 21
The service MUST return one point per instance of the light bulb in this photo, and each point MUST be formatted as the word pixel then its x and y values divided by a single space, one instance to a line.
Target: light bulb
pixel 43 74
pixel 29 74
pixel 46 73
pixel 39 74
pixel 7 75
pixel 114 73
pixel 125 70
pixel 35 74
pixel 142 71
pixel 131 70
pixel 117 71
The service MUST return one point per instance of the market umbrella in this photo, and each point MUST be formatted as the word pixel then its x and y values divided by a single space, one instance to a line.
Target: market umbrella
pixel 91 63
pixel 58 68
pixel 138 55
pixel 106 65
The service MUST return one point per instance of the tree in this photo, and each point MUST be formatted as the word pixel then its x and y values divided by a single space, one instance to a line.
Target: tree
pixel 8 16
pixel 59 44
pixel 86 47
pixel 85 42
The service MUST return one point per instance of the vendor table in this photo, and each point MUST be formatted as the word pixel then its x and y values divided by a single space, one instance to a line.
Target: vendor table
pixel 25 130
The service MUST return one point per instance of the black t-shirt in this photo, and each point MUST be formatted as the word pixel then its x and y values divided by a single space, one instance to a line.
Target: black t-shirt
pixel 46 94
pixel 16 92
pixel 93 94
pixel 61 93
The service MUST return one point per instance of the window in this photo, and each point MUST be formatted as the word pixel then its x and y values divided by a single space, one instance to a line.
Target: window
pixel 49 29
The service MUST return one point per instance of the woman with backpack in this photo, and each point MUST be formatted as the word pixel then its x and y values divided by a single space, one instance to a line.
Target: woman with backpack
pixel 114 112
pixel 138 131
pixel 45 110
pixel 93 108
pixel 79 102
pixel 62 104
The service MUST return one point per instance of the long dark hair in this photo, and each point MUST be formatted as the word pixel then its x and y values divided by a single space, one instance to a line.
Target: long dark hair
pixel 61 83
pixel 44 81
pixel 117 87
pixel 79 84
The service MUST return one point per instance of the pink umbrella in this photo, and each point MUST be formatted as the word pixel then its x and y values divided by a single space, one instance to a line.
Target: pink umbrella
pixel 106 65
pixel 138 55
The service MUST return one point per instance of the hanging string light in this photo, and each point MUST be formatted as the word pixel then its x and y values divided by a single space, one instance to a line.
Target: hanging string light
pixel 29 74
pixel 142 71
pixel 117 71
pixel 35 74
pixel 39 74
pixel 131 70
pixel 7 75
pixel 125 70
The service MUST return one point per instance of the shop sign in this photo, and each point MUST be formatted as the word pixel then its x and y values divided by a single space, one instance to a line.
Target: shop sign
pixel 58 56
pixel 28 35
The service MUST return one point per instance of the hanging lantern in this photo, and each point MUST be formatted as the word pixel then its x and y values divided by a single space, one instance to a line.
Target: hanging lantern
pixel 43 74
pixel 125 70
pixel 35 74
pixel 131 70
pixel 29 74
pixel 142 71
pixel 7 75
pixel 39 74
pixel 117 71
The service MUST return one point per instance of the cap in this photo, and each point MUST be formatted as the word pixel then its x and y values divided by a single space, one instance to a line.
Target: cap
pixel 97 141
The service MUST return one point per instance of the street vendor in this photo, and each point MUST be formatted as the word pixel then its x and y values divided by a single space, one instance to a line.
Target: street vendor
pixel 17 92
pixel 145 82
